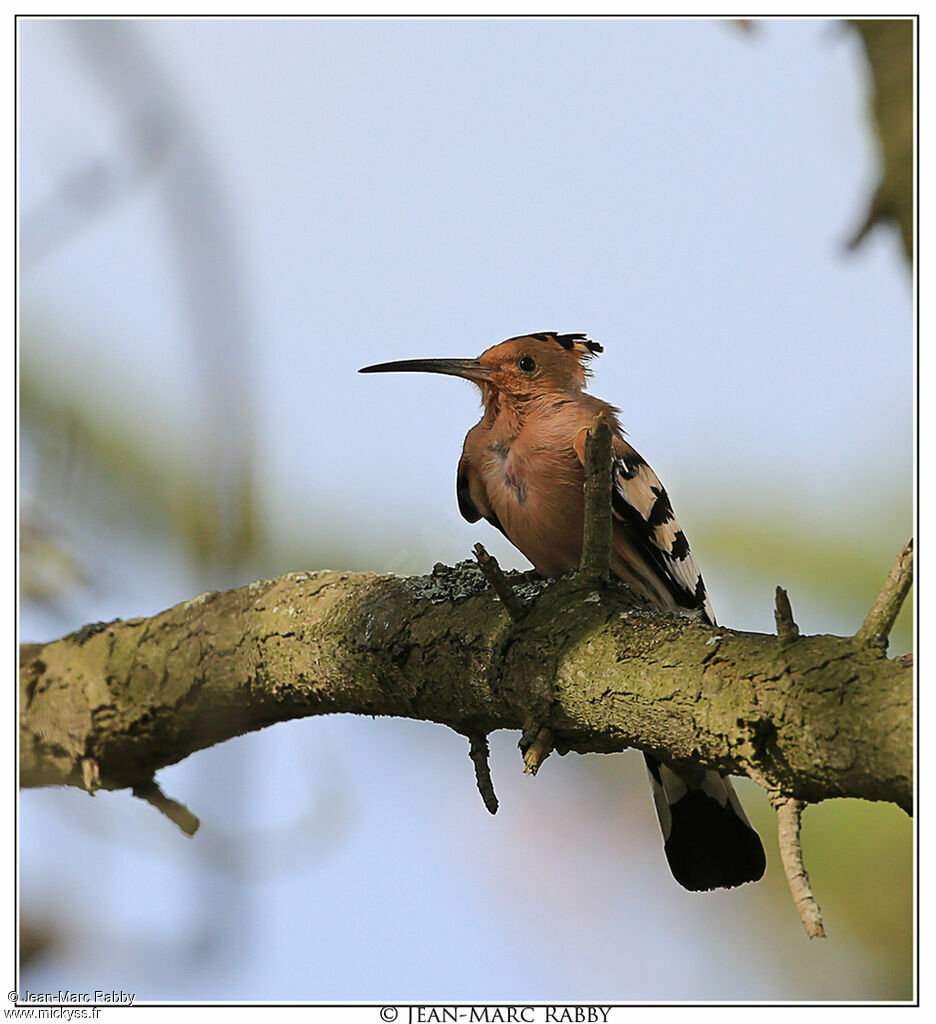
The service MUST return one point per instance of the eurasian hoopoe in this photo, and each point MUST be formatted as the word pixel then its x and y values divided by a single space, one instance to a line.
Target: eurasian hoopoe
pixel 521 469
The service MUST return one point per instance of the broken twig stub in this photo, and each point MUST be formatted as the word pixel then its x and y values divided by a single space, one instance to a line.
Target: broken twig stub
pixel 499 583
pixel 787 629
pixel 479 752
pixel 175 811
pixel 537 752
pixel 596 539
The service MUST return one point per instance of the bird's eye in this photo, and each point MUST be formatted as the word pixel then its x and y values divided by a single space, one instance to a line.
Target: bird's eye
pixel 527 364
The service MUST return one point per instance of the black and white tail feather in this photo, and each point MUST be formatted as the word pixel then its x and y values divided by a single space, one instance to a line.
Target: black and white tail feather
pixel 708 840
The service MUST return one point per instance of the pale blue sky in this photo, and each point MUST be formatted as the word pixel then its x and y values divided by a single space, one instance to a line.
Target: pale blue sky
pixel 387 189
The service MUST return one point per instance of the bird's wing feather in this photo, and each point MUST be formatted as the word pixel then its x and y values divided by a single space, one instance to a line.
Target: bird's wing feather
pixel 642 508
pixel 472 500
pixel 641 504
pixel 466 506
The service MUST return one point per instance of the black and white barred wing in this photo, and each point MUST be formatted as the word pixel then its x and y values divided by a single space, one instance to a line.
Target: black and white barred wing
pixel 641 504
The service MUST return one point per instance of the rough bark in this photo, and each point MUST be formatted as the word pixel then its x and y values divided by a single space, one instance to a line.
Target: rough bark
pixel 812 718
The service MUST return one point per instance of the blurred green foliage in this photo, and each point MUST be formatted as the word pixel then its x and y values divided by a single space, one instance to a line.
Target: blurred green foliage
pixel 170 491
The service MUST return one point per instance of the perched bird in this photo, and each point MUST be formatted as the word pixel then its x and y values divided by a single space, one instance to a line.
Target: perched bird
pixel 522 469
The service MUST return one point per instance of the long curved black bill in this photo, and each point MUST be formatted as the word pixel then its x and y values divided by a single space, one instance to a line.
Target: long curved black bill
pixel 468 368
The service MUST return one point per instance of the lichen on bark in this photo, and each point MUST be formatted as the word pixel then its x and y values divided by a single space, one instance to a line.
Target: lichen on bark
pixel 820 717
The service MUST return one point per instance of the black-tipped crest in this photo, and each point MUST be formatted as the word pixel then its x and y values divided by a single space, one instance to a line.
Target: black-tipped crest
pixel 567 341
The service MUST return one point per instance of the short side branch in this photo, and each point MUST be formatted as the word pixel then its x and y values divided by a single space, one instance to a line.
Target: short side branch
pixel 480 752
pixel 537 752
pixel 499 583
pixel 596 541
pixel 789 811
pixel 787 629
pixel 176 812
pixel 880 620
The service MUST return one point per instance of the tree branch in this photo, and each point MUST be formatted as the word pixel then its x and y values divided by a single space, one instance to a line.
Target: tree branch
pixel 176 812
pixel 537 752
pixel 880 620
pixel 889 46
pixel 789 812
pixel 823 717
pixel 787 629
pixel 480 753
pixel 499 583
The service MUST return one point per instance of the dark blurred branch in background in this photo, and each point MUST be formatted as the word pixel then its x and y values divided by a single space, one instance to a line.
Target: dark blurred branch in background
pixel 95 184
pixel 160 145
pixel 889 46
pixel 206 269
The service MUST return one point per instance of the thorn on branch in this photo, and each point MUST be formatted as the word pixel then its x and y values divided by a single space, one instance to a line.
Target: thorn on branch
pixel 789 811
pixel 499 583
pixel 880 620
pixel 537 752
pixel 176 812
pixel 787 629
pixel 596 539
pixel 479 752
